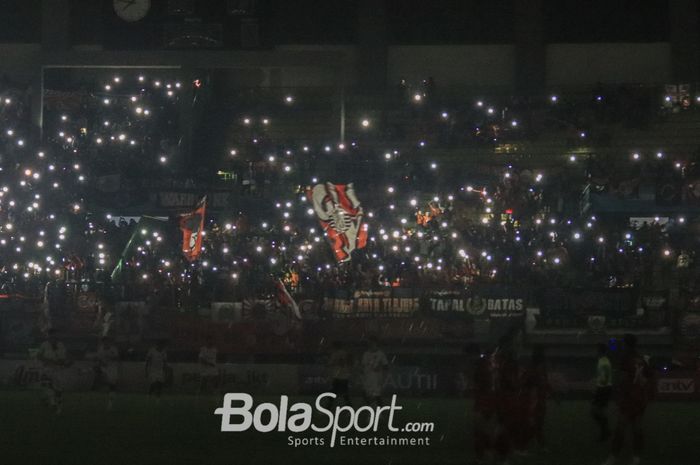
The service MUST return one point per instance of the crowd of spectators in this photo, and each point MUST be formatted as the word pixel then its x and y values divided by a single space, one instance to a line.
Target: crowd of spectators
pixel 429 227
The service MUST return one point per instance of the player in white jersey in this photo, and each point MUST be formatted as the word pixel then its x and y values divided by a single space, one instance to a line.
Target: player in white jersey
pixel 156 365
pixel 52 355
pixel 209 373
pixel 107 368
pixel 374 368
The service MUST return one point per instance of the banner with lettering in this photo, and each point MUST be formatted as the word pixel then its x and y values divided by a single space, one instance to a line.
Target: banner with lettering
pixel 484 303
pixel 386 303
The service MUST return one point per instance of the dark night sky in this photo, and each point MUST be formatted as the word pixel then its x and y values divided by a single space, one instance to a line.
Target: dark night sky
pixel 408 21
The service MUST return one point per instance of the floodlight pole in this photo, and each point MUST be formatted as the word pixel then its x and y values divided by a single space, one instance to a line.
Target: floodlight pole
pixel 342 113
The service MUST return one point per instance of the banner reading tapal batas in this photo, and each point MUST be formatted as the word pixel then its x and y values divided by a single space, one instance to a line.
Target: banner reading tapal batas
pixel 340 214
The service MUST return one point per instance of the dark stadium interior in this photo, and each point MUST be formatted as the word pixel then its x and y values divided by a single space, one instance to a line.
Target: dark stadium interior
pixel 488 210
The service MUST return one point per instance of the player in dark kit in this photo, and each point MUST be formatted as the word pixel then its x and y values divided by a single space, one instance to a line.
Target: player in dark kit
pixel 485 407
pixel 340 367
pixel 512 405
pixel 635 390
pixel 536 392
pixel 495 404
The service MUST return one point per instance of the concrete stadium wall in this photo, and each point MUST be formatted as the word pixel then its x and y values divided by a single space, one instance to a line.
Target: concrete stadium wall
pixel 20 61
pixel 477 66
pixel 488 67
pixel 318 76
pixel 583 65
pixel 567 65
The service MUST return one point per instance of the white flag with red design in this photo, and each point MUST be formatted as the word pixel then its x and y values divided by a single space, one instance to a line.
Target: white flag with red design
pixel 340 214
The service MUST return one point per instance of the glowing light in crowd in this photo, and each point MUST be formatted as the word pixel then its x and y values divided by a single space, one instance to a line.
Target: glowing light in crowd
pixel 399 227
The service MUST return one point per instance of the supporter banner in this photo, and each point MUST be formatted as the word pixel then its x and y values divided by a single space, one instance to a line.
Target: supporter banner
pixel 184 377
pixel 677 385
pixel 400 379
pixel 565 378
pixel 598 311
pixel 372 303
pixel 340 214
pixel 487 303
pixel 492 304
pixel 170 199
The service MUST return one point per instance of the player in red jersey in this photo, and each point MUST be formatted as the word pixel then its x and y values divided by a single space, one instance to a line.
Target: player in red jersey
pixel 485 407
pixel 537 390
pixel 512 407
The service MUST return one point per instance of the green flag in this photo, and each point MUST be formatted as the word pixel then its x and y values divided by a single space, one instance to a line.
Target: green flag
pixel 146 223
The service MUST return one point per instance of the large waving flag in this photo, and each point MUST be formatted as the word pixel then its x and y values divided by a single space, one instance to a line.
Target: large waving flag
pixel 340 214
pixel 192 227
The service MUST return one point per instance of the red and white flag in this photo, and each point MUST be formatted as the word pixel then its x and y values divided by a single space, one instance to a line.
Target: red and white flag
pixel 192 227
pixel 340 214
pixel 286 298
